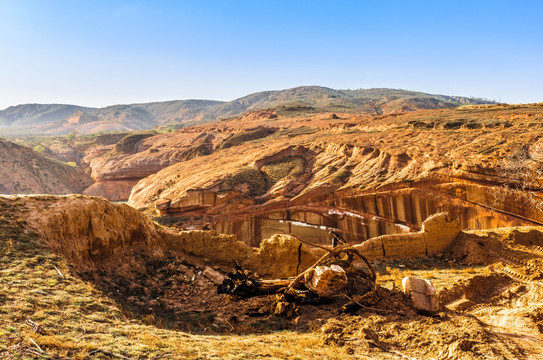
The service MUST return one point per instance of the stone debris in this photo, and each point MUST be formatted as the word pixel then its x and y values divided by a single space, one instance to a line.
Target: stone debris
pixel 216 277
pixel 326 280
pixel 422 293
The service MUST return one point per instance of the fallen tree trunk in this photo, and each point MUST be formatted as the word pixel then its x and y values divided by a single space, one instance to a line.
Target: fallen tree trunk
pixel 239 282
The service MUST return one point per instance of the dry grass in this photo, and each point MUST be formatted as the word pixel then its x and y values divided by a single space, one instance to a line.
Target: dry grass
pixel 293 165
pixel 439 272
pixel 76 319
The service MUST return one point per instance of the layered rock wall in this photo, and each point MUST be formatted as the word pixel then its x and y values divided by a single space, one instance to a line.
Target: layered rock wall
pixel 95 234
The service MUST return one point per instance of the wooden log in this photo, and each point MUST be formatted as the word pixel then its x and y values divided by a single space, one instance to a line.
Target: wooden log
pixel 242 285
pixel 239 283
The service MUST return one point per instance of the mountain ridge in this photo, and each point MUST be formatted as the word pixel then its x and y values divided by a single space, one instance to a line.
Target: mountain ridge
pixel 59 118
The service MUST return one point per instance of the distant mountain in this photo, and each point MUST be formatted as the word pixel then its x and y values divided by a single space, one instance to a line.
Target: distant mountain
pixel 36 114
pixel 60 119
pixel 373 101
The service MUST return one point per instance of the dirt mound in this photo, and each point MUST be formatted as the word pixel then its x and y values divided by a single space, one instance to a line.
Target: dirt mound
pixel 449 336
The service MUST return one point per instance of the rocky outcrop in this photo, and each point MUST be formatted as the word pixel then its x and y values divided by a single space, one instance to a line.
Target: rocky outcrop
pixel 423 294
pixel 117 169
pixel 384 174
pixel 118 190
pixel 96 234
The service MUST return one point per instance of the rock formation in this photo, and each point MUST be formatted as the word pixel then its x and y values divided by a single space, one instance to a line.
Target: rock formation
pixel 366 176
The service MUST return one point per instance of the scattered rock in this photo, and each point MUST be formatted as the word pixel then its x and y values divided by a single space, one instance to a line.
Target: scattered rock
pixel 215 276
pixel 422 293
pixel 326 280
pixel 162 205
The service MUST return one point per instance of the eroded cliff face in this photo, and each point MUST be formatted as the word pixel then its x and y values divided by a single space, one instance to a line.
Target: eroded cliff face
pixel 365 176
pixel 116 168
pixel 97 236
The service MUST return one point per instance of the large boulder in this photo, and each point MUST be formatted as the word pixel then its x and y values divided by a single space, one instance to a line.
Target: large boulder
pixel 326 280
pixel 422 293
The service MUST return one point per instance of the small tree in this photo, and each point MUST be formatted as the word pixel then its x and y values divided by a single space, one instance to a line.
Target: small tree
pixel 71 136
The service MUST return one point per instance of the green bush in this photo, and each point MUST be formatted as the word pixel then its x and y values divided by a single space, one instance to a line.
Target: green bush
pixel 71 136
pixel 292 165
pixel 39 149
pixel 255 179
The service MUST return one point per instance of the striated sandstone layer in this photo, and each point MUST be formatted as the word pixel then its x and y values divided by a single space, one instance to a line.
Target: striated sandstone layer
pixel 116 169
pixel 364 176
pixel 94 233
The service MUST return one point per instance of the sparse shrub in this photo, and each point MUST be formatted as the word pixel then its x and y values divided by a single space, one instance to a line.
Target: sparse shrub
pixel 39 149
pixel 293 132
pixel 523 181
pixel 256 181
pixel 71 136
pixel 341 176
pixel 293 165
pixel 238 139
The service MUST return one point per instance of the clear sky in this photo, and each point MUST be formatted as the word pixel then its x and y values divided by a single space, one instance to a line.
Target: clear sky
pixel 98 53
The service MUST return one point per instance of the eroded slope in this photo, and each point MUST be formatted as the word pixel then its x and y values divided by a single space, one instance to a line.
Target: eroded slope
pixel 23 170
pixel 332 172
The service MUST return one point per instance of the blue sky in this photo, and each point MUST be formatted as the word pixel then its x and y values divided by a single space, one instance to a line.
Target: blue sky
pixel 99 53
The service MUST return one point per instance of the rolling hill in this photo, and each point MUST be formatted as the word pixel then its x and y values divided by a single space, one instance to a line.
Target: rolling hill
pixel 62 119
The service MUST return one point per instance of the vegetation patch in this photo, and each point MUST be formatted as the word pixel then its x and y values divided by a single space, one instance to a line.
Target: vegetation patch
pixel 293 132
pixel 128 143
pixel 238 139
pixel 292 165
pixel 254 180
pixel 341 176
